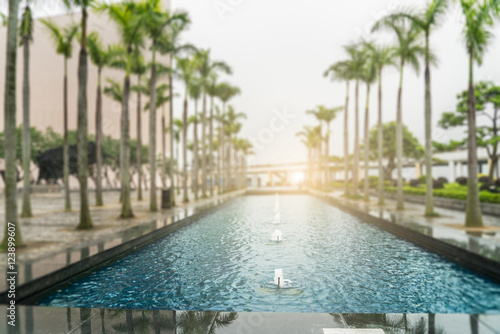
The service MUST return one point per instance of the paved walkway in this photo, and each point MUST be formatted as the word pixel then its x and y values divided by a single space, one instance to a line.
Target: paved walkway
pixel 52 242
pixel 449 226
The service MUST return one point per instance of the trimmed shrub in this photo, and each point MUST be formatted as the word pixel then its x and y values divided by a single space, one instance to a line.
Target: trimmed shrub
pixel 484 179
pixel 443 180
pixel 436 184
pixel 422 179
pixel 462 180
pixel 414 183
pixel 497 182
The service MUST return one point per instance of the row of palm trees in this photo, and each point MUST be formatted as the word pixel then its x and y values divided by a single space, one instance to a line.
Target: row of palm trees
pixel 365 64
pixel 140 25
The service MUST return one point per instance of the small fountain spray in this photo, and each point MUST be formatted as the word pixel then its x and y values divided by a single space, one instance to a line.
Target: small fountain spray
pixel 278 277
pixel 277 235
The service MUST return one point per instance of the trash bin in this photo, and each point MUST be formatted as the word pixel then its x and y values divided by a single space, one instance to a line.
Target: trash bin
pixel 165 199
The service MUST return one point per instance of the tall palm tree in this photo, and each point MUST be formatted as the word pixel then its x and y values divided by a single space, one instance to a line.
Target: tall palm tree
pixel 357 59
pixel 178 126
pixel 426 20
pixel 327 115
pixel 232 128
pixel 341 71
pixel 409 49
pixel 171 45
pixel 82 123
pixel 161 99
pixel 63 41
pixel 25 38
pixel 206 68
pixel 195 91
pixel 369 76
pixel 186 71
pixel 225 93
pixel 129 22
pixel 156 24
pixel 311 139
pixel 381 56
pixel 211 90
pixel 100 57
pixel 10 128
pixel 477 37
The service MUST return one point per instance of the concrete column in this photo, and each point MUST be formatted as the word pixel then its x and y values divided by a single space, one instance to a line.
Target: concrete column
pixel 498 170
pixel 460 170
pixel 418 170
pixel 451 165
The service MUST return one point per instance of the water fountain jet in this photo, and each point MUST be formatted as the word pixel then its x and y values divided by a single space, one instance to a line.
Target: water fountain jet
pixel 277 235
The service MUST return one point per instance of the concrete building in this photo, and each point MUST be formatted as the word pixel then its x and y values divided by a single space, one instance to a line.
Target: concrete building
pixel 46 77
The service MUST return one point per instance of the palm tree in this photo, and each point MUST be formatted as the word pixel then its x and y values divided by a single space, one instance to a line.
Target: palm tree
pixel 369 76
pixel 161 99
pixel 311 139
pixel 125 15
pixel 206 69
pixel 139 69
pixel 477 37
pixel 409 49
pixel 82 124
pixel 156 24
pixel 327 115
pixel 211 90
pixel 25 38
pixel 178 126
pixel 341 71
pixel 225 93
pixel 381 56
pixel 171 45
pixel 63 41
pixel 232 128
pixel 426 21
pixel 100 57
pixel 10 128
pixel 186 70
pixel 195 94
pixel 357 59
pixel 114 91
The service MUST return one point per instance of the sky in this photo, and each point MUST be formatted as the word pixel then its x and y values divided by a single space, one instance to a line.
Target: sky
pixel 279 50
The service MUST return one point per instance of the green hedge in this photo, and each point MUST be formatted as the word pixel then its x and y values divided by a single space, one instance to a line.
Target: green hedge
pixel 453 190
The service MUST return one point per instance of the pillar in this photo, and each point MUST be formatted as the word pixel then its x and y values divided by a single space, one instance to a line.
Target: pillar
pixel 418 170
pixel 451 167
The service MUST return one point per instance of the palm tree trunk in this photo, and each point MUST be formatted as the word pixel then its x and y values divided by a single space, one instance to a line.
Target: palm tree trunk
pixel 366 187
pixel 211 148
pixel 178 169
pixel 228 164
pixel 222 153
pixel 355 171
pixel 152 134
pixel 163 149
pixel 126 211
pixel 346 140
pixel 399 141
pixel 380 143
pixel 138 149
pixel 10 128
pixel 203 148
pixel 429 201
pixel 85 218
pixel 185 198
pixel 171 134
pixel 67 199
pixel 473 216
pixel 98 140
pixel 26 209
pixel 327 156
pixel 195 154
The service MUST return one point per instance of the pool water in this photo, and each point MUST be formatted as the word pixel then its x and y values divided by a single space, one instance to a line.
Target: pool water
pixel 331 261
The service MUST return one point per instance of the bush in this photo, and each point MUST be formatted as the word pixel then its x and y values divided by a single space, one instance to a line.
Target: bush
pixel 443 180
pixel 484 179
pixel 436 184
pixel 462 180
pixel 422 179
pixel 497 182
pixel 414 183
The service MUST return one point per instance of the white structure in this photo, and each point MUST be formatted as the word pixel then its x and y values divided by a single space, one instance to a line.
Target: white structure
pixel 278 277
pixel 277 235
